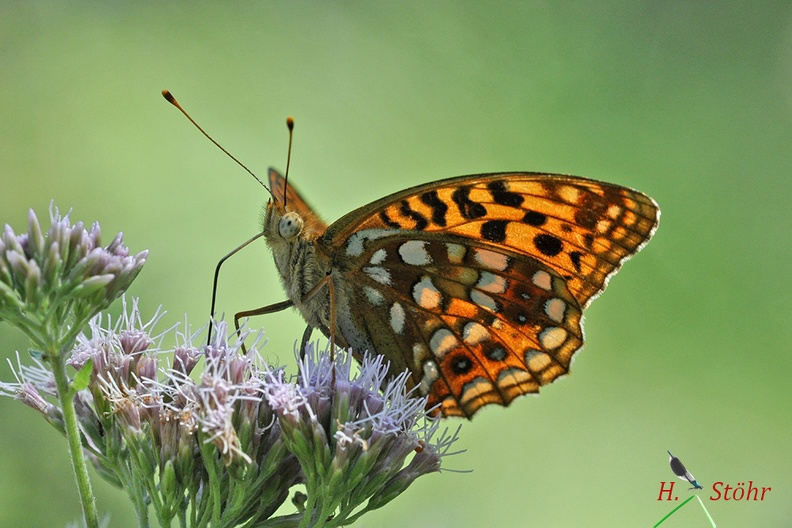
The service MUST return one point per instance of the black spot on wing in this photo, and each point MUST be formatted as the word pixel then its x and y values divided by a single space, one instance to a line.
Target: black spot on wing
pixel 502 196
pixel 439 208
pixel 494 230
pixel 387 221
pixel 534 218
pixel 420 221
pixel 467 207
pixel 548 244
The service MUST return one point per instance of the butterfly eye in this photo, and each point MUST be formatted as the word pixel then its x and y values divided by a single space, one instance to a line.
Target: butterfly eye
pixel 290 225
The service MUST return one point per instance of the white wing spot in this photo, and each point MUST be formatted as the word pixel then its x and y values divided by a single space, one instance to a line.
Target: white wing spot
pixel 413 252
pixel 426 295
pixel 378 257
pixel 419 353
pixel 552 337
pixel 430 375
pixel 474 333
pixel 543 280
pixel 555 309
pixel 379 274
pixel 492 260
pixel 483 300
pixel 442 342
pixel 475 389
pixel 456 253
pixel 397 318
pixel 374 296
pixel 536 361
pixel 569 194
pixel 492 283
pixel 356 242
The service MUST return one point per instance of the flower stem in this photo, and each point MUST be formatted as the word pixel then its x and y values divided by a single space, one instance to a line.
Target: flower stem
pixel 66 399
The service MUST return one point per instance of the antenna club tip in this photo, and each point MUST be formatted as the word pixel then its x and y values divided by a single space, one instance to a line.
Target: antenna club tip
pixel 290 122
pixel 168 96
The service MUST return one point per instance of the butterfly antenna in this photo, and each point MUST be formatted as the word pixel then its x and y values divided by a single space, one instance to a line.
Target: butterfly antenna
pixel 172 100
pixel 290 126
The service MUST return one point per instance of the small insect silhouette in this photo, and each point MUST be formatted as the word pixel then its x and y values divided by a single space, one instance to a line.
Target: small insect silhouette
pixel 680 471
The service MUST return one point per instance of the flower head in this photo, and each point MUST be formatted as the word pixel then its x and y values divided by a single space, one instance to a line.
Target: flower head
pixel 65 272
pixel 239 430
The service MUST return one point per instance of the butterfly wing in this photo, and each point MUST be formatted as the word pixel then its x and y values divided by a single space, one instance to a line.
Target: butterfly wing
pixel 288 195
pixel 477 283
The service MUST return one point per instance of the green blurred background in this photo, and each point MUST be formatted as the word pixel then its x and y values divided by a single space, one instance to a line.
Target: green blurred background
pixel 688 350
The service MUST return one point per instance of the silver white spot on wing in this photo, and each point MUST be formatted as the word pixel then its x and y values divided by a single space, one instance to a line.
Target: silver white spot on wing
pixel 397 318
pixel 489 282
pixel 552 337
pixel 543 280
pixel 426 294
pixel 431 374
pixel 474 333
pixel 379 274
pixel 414 252
pixel 442 342
pixel 491 259
pixel 555 309
pixel 483 300
pixel 378 257
pixel 374 296
pixel 456 253
pixel 356 242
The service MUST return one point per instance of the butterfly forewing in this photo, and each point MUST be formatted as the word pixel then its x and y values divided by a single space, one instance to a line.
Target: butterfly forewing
pixel 582 228
pixel 475 284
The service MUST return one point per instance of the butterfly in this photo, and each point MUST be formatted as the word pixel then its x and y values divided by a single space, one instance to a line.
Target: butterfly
pixel 475 284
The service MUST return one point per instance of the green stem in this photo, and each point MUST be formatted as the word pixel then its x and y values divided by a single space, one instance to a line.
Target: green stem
pixel 66 399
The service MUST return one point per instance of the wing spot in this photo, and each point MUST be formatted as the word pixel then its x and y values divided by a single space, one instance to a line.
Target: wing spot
pixel 442 342
pixel 378 257
pixel 431 373
pixel 494 230
pixel 375 297
pixel 491 259
pixel 552 337
pixel 489 282
pixel 379 274
pixel 456 253
pixel 461 364
pixel 548 244
pixel 496 354
pixel 536 360
pixel 542 280
pixel 474 333
pixel 467 207
pixel 534 218
pixel 483 300
pixel 501 195
pixel 555 309
pixel 426 294
pixel 414 252
pixel 397 318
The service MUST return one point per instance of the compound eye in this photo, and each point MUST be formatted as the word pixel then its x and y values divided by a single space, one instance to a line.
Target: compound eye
pixel 290 225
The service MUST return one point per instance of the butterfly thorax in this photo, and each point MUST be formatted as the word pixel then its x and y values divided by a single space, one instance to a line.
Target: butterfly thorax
pixel 291 236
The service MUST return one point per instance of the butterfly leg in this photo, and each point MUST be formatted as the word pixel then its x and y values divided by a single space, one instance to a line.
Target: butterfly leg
pixel 272 308
pixel 327 281
pixel 305 338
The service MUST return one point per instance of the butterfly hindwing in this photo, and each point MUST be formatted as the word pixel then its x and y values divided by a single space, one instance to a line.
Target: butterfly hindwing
pixel 473 325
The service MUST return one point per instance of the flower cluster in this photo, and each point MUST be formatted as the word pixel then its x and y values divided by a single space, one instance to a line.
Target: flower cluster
pixel 63 275
pixel 213 436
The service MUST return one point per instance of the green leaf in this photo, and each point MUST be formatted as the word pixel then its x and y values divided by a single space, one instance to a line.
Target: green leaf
pixel 83 376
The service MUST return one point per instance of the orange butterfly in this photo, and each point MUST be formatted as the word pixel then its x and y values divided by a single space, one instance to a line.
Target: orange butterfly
pixel 476 284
